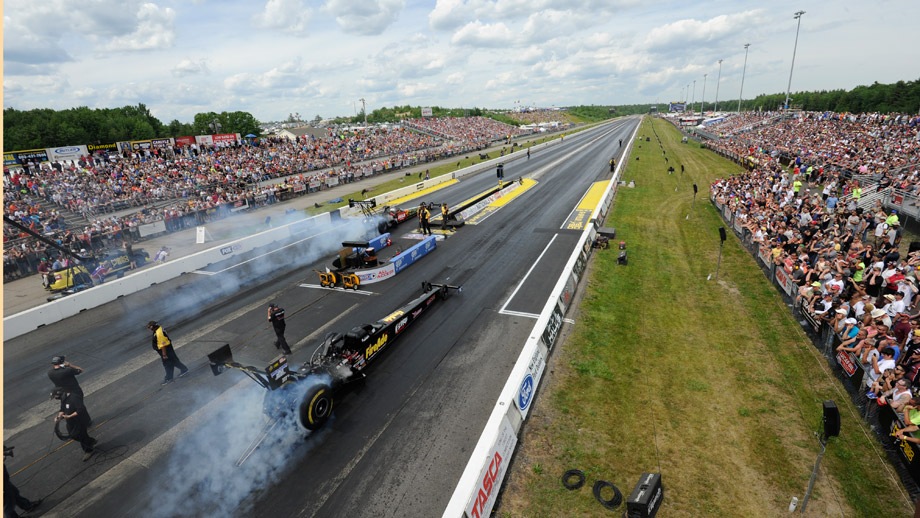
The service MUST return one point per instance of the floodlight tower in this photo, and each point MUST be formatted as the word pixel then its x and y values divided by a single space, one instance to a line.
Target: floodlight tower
pixel 718 80
pixel 743 70
pixel 797 16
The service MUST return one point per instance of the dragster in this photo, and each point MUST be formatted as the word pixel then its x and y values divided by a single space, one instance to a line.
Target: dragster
pixel 336 363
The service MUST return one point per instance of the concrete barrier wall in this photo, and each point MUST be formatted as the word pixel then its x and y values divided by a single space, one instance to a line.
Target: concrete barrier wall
pixel 30 319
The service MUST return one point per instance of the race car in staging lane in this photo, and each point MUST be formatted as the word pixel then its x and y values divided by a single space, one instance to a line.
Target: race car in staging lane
pixel 338 362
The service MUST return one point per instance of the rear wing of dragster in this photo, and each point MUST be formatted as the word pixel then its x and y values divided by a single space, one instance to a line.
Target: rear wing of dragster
pixel 269 378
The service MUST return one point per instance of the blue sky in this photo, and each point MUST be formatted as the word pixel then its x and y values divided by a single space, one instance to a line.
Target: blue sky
pixel 276 57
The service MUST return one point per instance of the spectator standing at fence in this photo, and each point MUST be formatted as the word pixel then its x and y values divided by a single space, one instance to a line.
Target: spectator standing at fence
pixel 878 364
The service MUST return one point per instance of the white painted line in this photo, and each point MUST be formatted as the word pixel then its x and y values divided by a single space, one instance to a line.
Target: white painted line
pixel 202 272
pixel 534 265
pixel 318 287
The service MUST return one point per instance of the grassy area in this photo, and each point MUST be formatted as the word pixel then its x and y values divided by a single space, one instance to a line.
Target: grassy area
pixel 711 383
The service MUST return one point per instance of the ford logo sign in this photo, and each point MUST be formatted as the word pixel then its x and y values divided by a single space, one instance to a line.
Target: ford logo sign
pixel 525 395
pixel 67 150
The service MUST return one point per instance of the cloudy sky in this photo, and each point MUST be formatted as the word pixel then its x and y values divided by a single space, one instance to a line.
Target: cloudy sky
pixel 319 57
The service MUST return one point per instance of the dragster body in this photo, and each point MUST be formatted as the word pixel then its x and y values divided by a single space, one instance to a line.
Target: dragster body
pixel 338 362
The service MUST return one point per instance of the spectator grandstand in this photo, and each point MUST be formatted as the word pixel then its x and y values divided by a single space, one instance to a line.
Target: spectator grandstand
pixel 108 196
pixel 838 255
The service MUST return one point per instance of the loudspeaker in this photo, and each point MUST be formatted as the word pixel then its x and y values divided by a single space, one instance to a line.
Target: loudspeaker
pixel 646 497
pixel 694 189
pixel 722 234
pixel 831 420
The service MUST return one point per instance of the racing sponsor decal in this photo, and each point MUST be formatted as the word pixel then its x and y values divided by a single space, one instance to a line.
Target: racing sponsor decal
pixel 525 393
pixel 393 316
pixel 493 472
pixel 161 142
pixel 375 347
pixel 22 157
pixel 398 328
pixel 552 327
pixel 227 250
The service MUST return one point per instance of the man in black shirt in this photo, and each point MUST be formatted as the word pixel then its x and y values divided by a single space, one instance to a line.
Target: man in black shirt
pixel 74 413
pixel 64 374
pixel 276 317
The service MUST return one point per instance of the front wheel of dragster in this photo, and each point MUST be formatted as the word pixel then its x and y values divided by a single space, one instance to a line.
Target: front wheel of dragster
pixel 316 407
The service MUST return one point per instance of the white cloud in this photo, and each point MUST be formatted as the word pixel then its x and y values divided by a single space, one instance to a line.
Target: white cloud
pixel 287 15
pixel 189 67
pixel 689 32
pixel 365 17
pixel 478 34
pixel 154 30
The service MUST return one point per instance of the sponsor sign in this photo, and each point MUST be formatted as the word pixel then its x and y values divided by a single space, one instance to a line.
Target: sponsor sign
pixel 225 138
pixel 493 473
pixel 161 142
pixel 847 362
pixel 764 254
pixel 413 253
pixel 739 229
pixel 239 205
pixel 140 144
pixel 72 153
pixel 529 384
pixel 377 274
pixel 551 331
pixel 785 282
pixel 379 242
pixel 677 107
pixel 426 111
pixel 22 157
pixel 185 141
pixel 727 213
pixel 101 147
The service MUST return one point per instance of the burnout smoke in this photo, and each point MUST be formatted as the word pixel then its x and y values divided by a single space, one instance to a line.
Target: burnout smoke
pixel 307 244
pixel 201 477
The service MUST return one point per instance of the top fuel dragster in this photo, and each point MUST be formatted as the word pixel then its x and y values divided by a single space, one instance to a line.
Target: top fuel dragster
pixel 337 362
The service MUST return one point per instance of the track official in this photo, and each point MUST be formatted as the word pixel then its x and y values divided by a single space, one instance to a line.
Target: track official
pixel 423 216
pixel 276 317
pixel 163 345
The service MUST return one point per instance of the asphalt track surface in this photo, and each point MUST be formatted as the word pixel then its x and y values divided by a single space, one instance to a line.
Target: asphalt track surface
pixel 395 446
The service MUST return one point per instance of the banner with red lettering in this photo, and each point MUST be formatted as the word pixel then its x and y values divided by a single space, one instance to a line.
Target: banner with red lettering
pixel 493 473
pixel 785 281
pixel 185 141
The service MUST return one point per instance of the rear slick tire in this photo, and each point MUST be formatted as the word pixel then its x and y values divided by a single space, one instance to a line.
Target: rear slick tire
pixel 316 407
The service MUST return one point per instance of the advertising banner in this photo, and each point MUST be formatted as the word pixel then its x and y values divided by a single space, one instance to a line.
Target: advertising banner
pixel 764 254
pixel 24 157
pixel 493 473
pixel 161 142
pixel 531 381
pixel 92 148
pixel 784 281
pixel 413 253
pixel 67 153
pixel 185 141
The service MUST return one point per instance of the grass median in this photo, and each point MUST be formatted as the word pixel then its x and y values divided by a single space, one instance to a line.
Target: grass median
pixel 712 383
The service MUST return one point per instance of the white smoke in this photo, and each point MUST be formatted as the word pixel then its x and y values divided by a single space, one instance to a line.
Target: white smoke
pixel 202 478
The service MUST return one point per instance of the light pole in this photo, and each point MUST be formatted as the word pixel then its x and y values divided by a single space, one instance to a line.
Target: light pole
pixel 718 80
pixel 703 100
pixel 743 70
pixel 693 100
pixel 364 109
pixel 687 93
pixel 797 16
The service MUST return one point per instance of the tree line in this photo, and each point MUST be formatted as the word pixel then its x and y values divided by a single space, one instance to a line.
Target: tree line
pixel 899 97
pixel 44 127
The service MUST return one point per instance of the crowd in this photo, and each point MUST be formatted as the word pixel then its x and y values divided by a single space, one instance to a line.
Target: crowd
pixel 847 263
pixel 189 185
pixel 538 116
pixel 475 130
